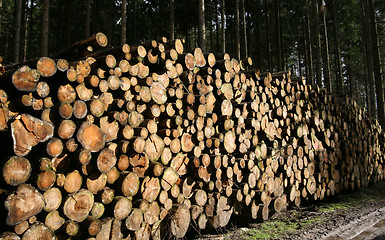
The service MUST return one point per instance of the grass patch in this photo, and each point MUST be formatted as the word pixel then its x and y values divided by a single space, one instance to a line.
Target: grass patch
pixel 271 230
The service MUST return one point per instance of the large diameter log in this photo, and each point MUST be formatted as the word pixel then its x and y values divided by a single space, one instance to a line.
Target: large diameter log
pixel 106 160
pixel 25 79
pixel 26 202
pixel 27 132
pixel 158 93
pixel 130 185
pixel 78 206
pixel 180 221
pixel 154 147
pixel 91 137
pixel 169 178
pixel 46 67
pixel 16 170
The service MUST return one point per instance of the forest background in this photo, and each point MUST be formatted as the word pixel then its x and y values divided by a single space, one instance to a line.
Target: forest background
pixel 336 44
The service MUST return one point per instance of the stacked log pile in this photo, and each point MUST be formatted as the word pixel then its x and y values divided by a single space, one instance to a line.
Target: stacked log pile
pixel 148 142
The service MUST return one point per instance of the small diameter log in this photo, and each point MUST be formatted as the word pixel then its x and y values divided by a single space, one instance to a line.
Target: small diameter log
pixel 26 202
pixel 16 170
pixel 52 199
pixel 91 137
pixel 150 189
pixel 80 109
pixel 25 79
pixel 106 160
pixel 73 182
pixel 130 185
pixel 66 129
pixel 54 147
pixel 54 221
pixel 111 129
pixel 134 220
pixel 122 208
pixel 96 182
pixel 78 205
pixel 46 179
pixel 46 67
pixel 66 94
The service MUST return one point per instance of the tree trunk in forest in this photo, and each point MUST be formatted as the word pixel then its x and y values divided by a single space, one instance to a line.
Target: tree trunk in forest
pixel 245 47
pixel 95 7
pixel 376 64
pixel 25 45
pixel 310 46
pixel 88 19
pixel 68 11
pixel 325 48
pixel 223 26
pixel 45 29
pixel 257 34
pixel 17 31
pixel 337 53
pixel 268 46
pixel 278 35
pixel 217 26
pixel 305 47
pixel 369 60
pixel 201 25
pixel 316 42
pixel 110 23
pixel 1 12
pixel 135 20
pixel 299 53
pixel 172 20
pixel 237 36
pixel 123 30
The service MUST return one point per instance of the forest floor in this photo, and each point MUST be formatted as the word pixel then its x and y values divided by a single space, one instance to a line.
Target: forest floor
pixel 354 215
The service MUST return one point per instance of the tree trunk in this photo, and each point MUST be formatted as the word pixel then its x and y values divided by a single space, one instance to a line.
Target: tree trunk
pixel 278 35
pixel 257 36
pixel 26 25
pixel 68 11
pixel 310 76
pixel 223 26
pixel 325 48
pixel 201 25
pixel 1 12
pixel 237 37
pixel 268 46
pixel 339 75
pixel 110 22
pixel 369 61
pixel 316 42
pixel 246 52
pixel 123 31
pixel 376 64
pixel 172 21
pixel 17 31
pixel 135 20
pixel 88 19
pixel 45 29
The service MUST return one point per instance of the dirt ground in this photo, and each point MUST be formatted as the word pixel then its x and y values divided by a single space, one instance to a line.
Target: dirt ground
pixel 354 215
